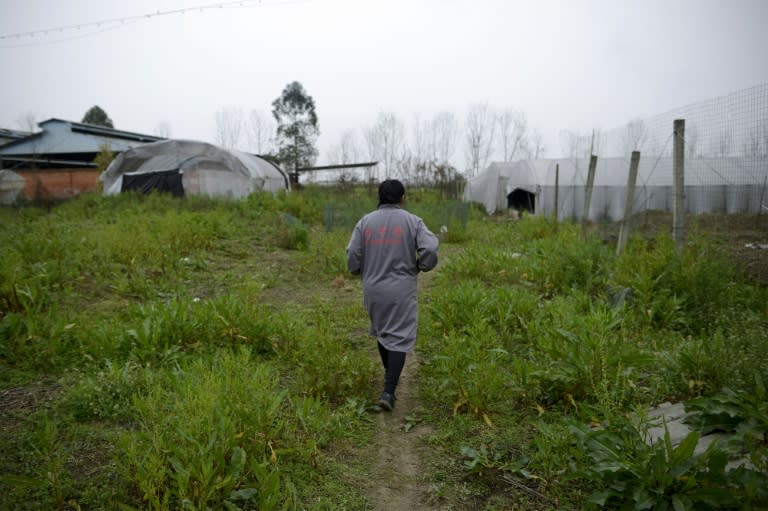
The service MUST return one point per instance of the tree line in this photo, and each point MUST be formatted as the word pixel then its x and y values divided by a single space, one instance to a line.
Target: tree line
pixel 422 151
pixel 419 150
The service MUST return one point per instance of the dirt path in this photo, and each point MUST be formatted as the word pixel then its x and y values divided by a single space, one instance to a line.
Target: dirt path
pixel 398 470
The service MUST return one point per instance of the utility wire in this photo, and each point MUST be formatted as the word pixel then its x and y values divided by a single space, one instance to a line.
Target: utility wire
pixel 119 22
pixel 69 38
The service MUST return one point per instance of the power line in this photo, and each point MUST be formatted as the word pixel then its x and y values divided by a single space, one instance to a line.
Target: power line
pixel 104 25
pixel 68 38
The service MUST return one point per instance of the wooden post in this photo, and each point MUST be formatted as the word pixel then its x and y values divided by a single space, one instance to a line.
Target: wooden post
pixel 502 203
pixel 762 196
pixel 678 201
pixel 628 202
pixel 588 194
pixel 557 192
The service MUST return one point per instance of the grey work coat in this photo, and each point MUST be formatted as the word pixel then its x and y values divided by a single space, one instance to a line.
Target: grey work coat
pixel 388 248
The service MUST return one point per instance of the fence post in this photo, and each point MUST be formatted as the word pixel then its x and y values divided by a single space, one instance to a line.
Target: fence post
pixel 678 202
pixel 628 202
pixel 588 194
pixel 557 191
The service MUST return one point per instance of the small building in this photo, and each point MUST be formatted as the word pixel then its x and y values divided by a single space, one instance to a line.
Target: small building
pixel 58 161
pixel 7 135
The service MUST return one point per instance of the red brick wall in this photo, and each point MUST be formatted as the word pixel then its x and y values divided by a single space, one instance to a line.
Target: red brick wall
pixel 57 183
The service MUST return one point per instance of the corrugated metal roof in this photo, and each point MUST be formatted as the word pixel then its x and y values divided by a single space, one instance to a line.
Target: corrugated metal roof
pixel 60 137
pixel 9 134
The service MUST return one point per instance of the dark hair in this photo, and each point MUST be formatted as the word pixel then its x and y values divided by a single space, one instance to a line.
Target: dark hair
pixel 391 191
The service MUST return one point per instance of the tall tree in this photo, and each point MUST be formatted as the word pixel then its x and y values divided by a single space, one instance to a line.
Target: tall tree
pixel 260 130
pixel 421 139
pixel 634 137
pixel 346 151
pixel 536 148
pixel 513 133
pixel 385 141
pixel 95 115
pixel 480 127
pixel 229 127
pixel 576 146
pixel 444 130
pixel 297 130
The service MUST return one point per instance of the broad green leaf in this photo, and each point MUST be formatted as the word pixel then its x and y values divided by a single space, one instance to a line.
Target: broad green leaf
pixel 685 450
pixel 601 497
pixel 678 504
pixel 238 461
pixel 644 499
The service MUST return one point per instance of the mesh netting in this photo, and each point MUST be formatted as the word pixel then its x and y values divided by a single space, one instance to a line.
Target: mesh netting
pixel 726 150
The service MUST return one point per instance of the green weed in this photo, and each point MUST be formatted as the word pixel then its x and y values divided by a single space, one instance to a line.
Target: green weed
pixel 323 365
pixel 636 475
pixel 208 434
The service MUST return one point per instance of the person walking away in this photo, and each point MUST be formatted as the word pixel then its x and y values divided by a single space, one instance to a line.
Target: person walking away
pixel 388 248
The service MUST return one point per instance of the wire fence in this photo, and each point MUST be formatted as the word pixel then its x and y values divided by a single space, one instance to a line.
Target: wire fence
pixel 724 163
pixel 725 151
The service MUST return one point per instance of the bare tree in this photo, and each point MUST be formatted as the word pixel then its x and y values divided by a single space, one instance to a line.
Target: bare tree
pixel 385 141
pixel 229 127
pixel 480 128
pixel 260 133
pixel 421 161
pixel 536 148
pixel 163 129
pixel 634 137
pixel 513 133
pixel 575 146
pixel 346 151
pixel 27 121
pixel 421 141
pixel 371 152
pixel 444 130
pixel 409 169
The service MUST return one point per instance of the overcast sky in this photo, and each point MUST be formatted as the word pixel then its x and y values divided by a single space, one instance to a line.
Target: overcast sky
pixel 568 65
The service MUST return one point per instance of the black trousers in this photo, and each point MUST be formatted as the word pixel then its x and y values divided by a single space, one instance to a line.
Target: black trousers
pixel 393 362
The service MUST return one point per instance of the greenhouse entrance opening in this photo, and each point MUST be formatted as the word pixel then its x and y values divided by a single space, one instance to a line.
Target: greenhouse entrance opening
pixel 521 200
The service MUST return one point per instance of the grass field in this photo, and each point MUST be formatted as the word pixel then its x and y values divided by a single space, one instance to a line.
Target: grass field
pixel 198 354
